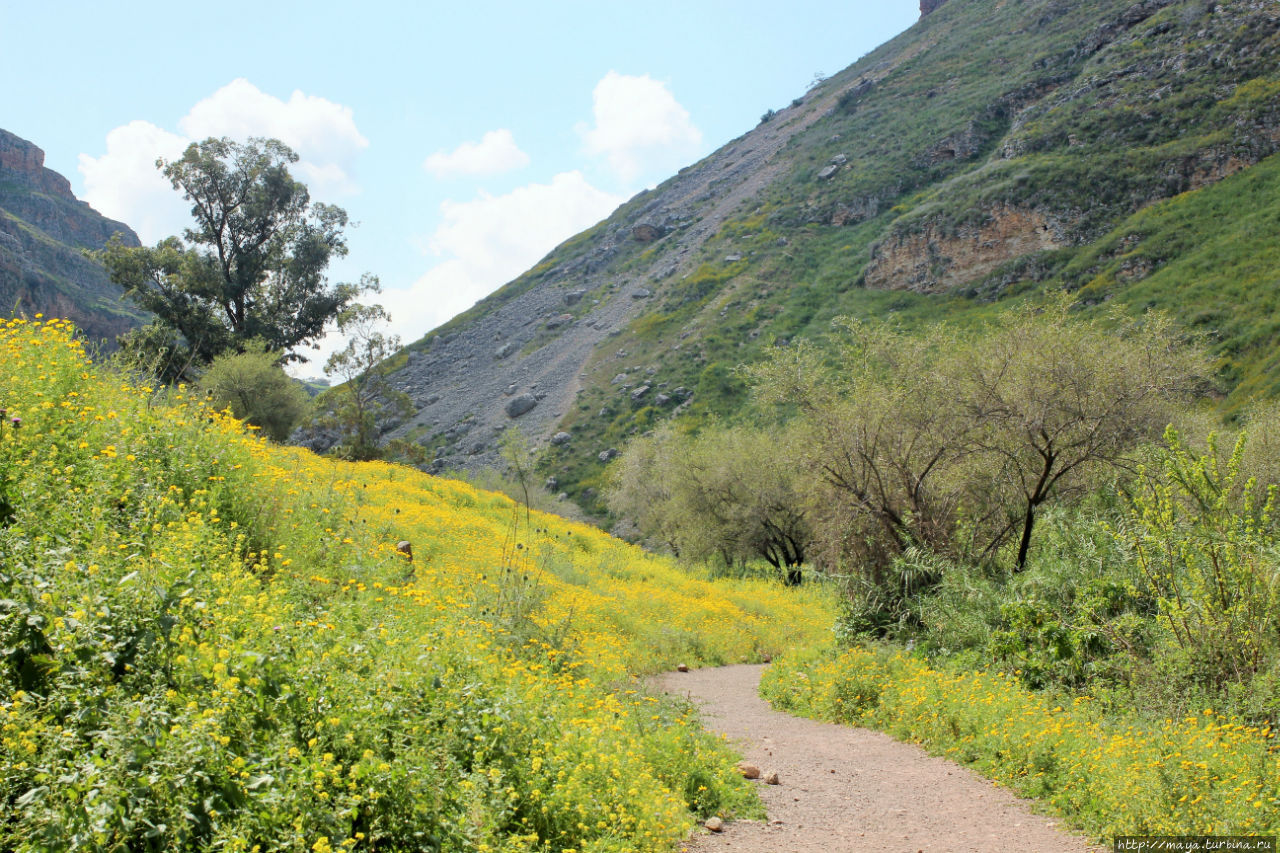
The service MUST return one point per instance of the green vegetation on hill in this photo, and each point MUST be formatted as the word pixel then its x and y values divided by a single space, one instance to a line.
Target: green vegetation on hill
pixel 1205 257
pixel 209 642
pixel 992 152
pixel 1210 258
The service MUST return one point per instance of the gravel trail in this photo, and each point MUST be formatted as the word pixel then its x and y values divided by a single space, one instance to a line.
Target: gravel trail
pixel 849 789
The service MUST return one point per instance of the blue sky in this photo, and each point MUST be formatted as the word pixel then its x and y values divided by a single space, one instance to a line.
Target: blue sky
pixel 466 139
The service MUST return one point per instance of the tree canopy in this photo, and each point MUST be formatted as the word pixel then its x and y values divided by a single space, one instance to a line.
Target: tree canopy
pixel 887 454
pixel 732 493
pixel 252 266
pixel 953 440
pixel 364 399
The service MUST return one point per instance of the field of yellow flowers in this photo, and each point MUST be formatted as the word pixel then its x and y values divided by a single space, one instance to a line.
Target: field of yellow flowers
pixel 1201 775
pixel 209 642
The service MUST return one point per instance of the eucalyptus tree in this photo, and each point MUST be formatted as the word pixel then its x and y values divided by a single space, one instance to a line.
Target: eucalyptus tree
pixel 252 267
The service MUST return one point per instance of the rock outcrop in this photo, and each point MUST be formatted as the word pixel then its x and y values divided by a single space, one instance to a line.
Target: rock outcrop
pixel 928 7
pixel 23 163
pixel 931 260
pixel 44 229
pixel 521 405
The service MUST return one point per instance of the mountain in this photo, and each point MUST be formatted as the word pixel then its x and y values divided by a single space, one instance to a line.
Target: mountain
pixel 43 230
pixel 1123 150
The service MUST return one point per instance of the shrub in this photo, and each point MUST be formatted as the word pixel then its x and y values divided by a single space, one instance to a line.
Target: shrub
pixel 257 390
pixel 1205 543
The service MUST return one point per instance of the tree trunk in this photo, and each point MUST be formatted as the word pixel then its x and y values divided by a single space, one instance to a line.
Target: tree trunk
pixel 1028 521
pixel 1037 497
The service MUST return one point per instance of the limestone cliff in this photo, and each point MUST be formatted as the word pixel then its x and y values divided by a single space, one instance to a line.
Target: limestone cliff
pixel 44 229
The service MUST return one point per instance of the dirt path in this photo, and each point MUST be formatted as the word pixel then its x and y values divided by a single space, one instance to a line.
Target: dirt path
pixel 848 789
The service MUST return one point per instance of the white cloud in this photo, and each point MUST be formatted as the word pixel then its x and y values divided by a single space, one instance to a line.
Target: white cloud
pixel 323 133
pixel 639 126
pixel 490 240
pixel 496 152
pixel 124 183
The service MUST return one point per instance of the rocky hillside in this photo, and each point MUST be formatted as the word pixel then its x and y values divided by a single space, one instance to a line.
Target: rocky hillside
pixel 43 230
pixel 995 149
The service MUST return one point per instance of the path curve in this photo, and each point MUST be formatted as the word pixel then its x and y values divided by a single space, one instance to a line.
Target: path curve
pixel 850 789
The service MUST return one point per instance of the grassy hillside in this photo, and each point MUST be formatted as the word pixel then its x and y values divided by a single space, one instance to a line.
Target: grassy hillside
pixel 207 642
pixel 995 150
pixel 1209 257
pixel 1206 257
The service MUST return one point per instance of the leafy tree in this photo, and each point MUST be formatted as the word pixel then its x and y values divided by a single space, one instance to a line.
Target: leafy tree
pixel 365 398
pixel 880 438
pixel 733 493
pixel 256 389
pixel 1050 397
pixel 642 487
pixel 952 442
pixel 252 267
pixel 743 497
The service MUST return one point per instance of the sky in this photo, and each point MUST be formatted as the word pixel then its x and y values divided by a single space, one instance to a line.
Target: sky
pixel 465 140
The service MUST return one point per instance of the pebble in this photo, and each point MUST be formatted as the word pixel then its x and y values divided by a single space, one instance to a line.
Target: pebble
pixel 714 824
pixel 748 770
pixel 771 778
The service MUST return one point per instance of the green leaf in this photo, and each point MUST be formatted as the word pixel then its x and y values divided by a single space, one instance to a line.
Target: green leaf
pixel 31 796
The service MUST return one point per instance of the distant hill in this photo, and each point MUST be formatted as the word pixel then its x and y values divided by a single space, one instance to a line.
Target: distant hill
pixel 43 230
pixel 1125 150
